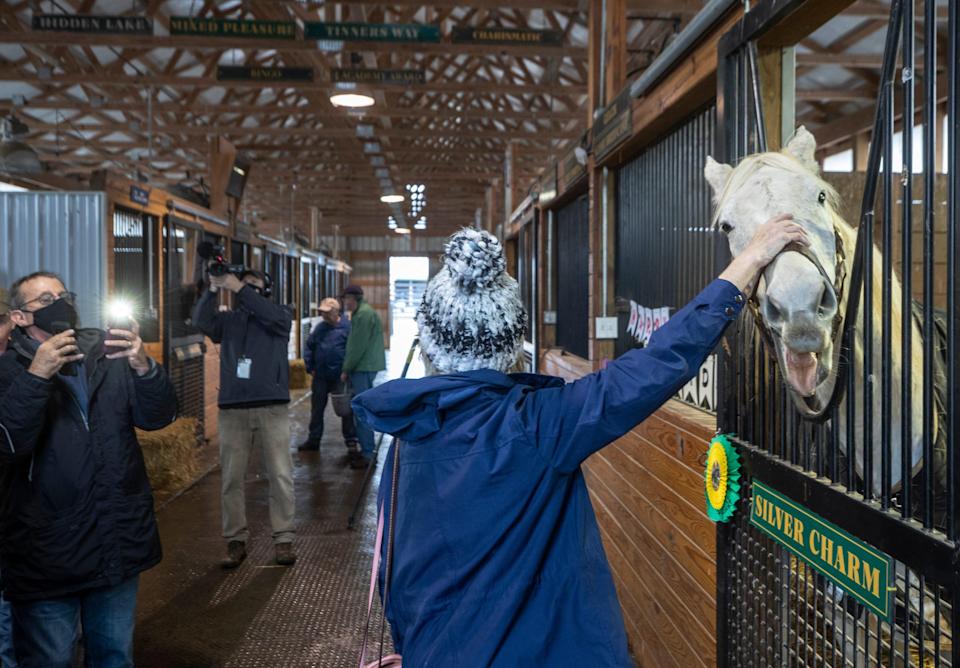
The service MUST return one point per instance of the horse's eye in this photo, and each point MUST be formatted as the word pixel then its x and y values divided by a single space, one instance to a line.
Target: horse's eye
pixel 822 197
pixel 726 227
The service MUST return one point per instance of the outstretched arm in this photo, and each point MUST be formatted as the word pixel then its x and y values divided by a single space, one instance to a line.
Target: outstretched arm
pixel 570 423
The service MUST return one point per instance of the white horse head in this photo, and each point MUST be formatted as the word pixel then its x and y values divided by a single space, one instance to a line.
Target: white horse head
pixel 797 302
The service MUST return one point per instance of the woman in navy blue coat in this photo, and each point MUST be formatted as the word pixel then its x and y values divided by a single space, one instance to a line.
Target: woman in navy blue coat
pixel 497 555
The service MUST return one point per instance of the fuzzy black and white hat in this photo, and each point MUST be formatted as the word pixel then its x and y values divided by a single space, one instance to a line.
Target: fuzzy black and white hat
pixel 471 316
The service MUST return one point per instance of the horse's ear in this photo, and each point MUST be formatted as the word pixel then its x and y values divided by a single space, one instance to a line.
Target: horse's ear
pixel 717 175
pixel 803 147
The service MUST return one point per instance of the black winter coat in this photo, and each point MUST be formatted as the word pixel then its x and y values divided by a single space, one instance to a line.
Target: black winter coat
pixel 76 507
pixel 258 330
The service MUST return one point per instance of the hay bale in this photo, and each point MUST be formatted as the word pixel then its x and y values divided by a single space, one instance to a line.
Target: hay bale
pixel 171 454
pixel 299 379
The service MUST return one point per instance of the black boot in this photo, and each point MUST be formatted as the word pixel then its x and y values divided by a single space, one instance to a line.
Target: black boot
pixel 309 445
pixel 236 553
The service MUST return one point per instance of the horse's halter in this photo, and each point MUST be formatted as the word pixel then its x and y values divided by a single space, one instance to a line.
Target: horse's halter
pixel 840 276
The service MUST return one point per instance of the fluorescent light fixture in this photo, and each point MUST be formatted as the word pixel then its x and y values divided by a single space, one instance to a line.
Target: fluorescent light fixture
pixel 391 199
pixel 351 100
pixel 330 45
pixel 364 130
pixel 371 147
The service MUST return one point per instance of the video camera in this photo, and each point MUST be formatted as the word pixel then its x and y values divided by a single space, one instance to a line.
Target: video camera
pixel 218 265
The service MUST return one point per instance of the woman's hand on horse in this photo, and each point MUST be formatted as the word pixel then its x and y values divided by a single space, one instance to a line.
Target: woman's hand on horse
pixel 771 237
pixel 767 242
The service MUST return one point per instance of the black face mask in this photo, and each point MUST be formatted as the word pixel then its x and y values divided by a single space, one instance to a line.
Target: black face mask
pixel 58 317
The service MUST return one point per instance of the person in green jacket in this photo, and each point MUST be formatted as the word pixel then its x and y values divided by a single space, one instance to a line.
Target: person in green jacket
pixel 365 357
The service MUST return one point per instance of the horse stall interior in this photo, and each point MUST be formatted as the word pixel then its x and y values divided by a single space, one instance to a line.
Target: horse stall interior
pixel 572 234
pixel 871 453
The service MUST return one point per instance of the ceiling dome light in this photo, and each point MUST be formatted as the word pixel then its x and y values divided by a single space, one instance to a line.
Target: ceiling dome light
pixel 351 100
pixel 391 199
pixel 402 230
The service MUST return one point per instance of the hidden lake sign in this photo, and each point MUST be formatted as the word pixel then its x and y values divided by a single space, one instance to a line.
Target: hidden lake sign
pixel 120 25
pixel 858 569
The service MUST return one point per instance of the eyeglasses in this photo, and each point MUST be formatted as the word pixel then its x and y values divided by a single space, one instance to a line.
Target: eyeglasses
pixel 46 299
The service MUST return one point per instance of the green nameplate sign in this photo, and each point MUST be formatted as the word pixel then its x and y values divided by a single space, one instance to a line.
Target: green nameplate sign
pixel 243 73
pixel 118 25
pixel 506 36
pixel 378 76
pixel 188 25
pixel 849 563
pixel 371 32
pixel 614 125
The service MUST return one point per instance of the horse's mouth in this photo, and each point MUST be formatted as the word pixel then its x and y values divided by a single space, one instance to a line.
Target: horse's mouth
pixel 802 370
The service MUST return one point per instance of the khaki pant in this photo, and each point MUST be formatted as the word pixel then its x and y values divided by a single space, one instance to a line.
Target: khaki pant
pixel 269 428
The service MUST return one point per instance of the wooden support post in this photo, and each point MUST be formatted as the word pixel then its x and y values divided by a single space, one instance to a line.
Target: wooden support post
pixel 770 69
pixel 861 149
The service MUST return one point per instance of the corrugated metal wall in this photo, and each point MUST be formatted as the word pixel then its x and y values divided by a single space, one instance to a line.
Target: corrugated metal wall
pixel 573 289
pixel 665 244
pixel 60 232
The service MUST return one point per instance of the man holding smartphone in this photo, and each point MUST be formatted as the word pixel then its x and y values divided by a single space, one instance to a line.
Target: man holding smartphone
pixel 77 506
pixel 254 393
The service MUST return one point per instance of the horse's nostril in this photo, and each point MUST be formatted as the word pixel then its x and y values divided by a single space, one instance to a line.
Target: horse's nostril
pixel 828 302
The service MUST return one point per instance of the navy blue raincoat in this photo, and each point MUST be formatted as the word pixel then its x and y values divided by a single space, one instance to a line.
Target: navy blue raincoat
pixel 497 555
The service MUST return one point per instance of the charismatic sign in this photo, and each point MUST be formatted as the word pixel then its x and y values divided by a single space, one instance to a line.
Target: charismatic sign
pixel 378 76
pixel 123 25
pixel 614 125
pixel 140 195
pixel 548 186
pixel 851 564
pixel 701 390
pixel 722 479
pixel 188 25
pixel 506 36
pixel 244 73
pixel 572 169
pixel 372 32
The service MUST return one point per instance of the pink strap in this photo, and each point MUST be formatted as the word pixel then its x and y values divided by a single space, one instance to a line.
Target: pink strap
pixel 373 582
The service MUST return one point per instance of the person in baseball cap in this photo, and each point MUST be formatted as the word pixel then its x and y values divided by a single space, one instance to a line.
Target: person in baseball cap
pixel 325 350
pixel 365 358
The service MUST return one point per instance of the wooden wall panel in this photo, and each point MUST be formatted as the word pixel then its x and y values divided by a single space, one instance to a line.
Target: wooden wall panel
pixel 647 491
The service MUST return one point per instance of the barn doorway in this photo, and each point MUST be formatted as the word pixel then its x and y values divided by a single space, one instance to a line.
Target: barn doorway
pixel 408 280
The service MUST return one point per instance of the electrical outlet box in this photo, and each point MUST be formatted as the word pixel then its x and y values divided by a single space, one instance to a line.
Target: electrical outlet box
pixel 549 317
pixel 606 328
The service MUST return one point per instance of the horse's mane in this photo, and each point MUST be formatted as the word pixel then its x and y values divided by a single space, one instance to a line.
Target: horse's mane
pixel 782 161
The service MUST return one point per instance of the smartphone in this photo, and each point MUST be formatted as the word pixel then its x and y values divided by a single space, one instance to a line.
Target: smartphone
pixel 118 323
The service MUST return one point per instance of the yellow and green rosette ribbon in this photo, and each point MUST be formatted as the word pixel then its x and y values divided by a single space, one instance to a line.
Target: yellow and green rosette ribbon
pixel 722 479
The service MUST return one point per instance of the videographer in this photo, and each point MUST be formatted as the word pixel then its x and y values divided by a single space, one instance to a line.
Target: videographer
pixel 254 393
pixel 77 509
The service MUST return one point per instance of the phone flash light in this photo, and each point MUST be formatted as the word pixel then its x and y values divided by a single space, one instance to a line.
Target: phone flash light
pixel 119 310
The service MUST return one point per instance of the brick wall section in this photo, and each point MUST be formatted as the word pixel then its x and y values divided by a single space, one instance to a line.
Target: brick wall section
pixel 647 492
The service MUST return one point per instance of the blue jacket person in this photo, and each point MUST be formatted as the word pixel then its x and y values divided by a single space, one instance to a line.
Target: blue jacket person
pixel 497 555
